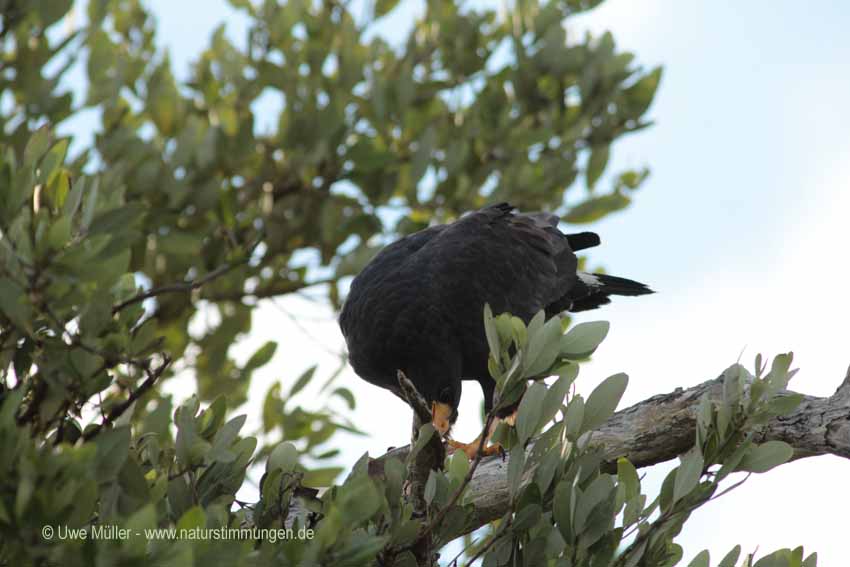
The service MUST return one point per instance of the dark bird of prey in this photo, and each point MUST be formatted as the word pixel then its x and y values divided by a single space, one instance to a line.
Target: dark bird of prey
pixel 417 306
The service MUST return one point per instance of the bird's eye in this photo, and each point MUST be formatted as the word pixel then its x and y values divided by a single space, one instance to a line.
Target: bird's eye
pixel 445 396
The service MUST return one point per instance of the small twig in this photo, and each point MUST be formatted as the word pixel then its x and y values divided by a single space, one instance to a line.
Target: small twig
pixel 304 331
pixel 110 359
pixel 178 474
pixel 461 552
pixel 479 453
pixel 118 410
pixel 419 467
pixel 177 287
pixel 668 515
pixel 193 284
pixel 731 488
pixel 269 291
pixel 414 398
pixel 493 539
pixel 630 532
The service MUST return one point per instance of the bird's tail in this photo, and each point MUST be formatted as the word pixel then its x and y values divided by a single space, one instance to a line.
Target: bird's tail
pixel 597 288
pixel 613 285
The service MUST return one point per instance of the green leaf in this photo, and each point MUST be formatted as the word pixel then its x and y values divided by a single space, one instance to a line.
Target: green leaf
pixel 383 7
pixel 527 517
pixel 117 220
pixel 113 449
pixel 784 404
pixel 516 465
pixel 545 471
pixel 284 457
pixel 505 328
pixel 458 465
pixel 639 96
pixel 425 433
pixel 598 491
pixel 519 332
pixel 346 395
pixel 321 477
pixel 491 332
pixel 354 262
pixel 762 458
pixel 51 12
pixel 690 471
pixel 779 374
pixel 529 412
pixel 144 337
pixel 779 558
pixel 144 518
pixel 302 381
pixel 261 357
pixel 536 325
pixel 179 495
pixel 37 146
pixel 603 401
pixel 59 233
pixel 179 242
pixel 563 505
pixel 701 560
pixel 543 348
pixel 224 438
pixel 431 487
pixel 583 339
pixel 731 558
pixel 596 163
pixel 628 478
pixel 574 417
pixel 422 156
pixel 14 304
pixel 74 198
pixel 51 162
pixel 597 207
pixel 192 518
pixel 555 398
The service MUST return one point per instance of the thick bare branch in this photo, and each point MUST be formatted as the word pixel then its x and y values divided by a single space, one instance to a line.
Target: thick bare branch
pixel 661 428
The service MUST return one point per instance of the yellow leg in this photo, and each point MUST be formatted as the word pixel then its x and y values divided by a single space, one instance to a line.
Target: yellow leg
pixel 441 417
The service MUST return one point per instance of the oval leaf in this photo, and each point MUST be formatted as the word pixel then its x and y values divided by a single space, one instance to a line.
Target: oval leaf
pixel 530 410
pixel 583 339
pixel 764 457
pixel 603 401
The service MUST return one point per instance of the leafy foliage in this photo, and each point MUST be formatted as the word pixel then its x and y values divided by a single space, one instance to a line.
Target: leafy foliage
pixel 372 140
pixel 183 206
pixel 567 506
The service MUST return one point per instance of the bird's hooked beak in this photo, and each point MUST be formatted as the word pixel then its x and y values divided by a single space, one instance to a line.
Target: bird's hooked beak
pixel 441 417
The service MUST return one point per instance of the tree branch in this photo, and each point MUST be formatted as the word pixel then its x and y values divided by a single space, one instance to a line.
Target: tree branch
pixel 176 287
pixel 118 411
pixel 431 456
pixel 192 284
pixel 663 427
pixel 273 289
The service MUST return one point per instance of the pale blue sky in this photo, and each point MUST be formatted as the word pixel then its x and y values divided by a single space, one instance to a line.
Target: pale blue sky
pixel 742 227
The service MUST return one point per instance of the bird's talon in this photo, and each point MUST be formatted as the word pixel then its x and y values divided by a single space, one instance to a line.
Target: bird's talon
pixel 471 449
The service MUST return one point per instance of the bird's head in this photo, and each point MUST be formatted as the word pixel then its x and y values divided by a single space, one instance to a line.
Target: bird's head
pixel 444 402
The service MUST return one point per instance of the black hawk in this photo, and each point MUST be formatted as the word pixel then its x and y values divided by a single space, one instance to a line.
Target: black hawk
pixel 417 306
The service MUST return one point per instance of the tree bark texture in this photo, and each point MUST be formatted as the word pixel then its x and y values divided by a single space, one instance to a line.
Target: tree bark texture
pixel 661 428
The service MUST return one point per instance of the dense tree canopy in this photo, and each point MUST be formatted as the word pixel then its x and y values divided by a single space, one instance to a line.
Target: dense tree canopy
pixel 183 204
